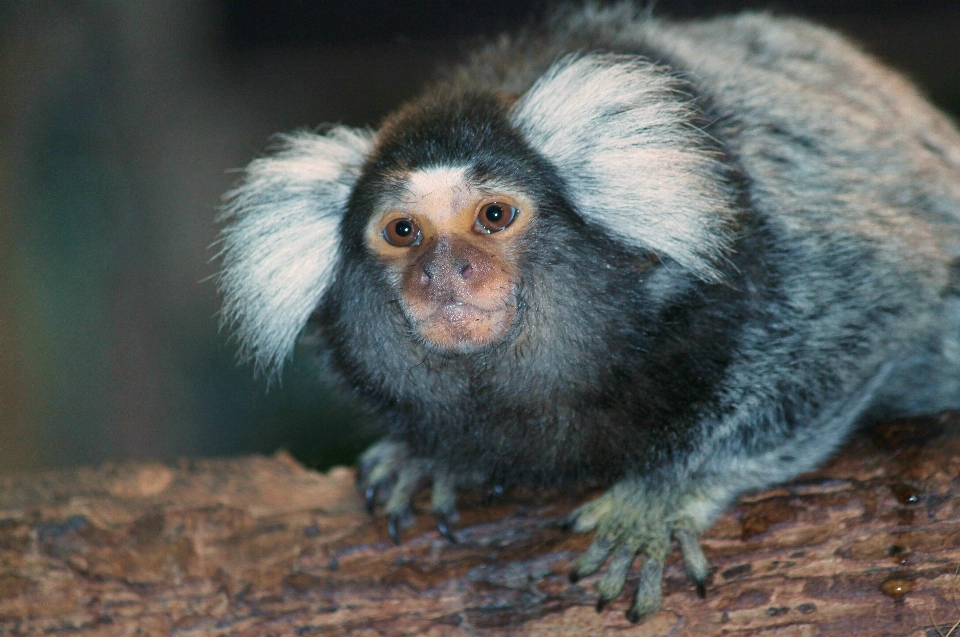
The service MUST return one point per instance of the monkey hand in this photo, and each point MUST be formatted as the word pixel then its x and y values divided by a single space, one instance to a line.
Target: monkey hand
pixel 634 519
pixel 389 474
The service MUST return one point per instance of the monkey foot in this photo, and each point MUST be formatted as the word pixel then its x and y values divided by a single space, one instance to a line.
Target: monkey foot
pixel 388 474
pixel 629 523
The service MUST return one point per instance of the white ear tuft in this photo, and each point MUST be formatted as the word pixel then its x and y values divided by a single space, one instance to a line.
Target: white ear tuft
pixel 280 241
pixel 621 135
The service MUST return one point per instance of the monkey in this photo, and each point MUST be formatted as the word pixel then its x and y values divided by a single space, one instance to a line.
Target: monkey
pixel 681 259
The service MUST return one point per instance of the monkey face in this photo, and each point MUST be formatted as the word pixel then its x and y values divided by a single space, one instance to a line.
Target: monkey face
pixel 451 248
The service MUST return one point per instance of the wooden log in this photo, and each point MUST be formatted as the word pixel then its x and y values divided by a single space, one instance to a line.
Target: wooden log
pixel 868 545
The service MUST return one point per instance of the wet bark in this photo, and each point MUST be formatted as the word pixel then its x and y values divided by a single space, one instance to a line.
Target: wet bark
pixel 867 545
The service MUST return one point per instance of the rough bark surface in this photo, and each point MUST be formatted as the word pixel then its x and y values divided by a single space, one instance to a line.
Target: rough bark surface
pixel 868 545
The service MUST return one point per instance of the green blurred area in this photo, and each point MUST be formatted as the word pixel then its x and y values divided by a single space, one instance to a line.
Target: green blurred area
pixel 119 125
pixel 122 125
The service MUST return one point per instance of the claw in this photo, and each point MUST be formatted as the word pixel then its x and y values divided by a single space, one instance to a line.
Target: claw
pixel 393 528
pixel 601 604
pixel 370 498
pixel 701 590
pixel 443 525
pixel 574 577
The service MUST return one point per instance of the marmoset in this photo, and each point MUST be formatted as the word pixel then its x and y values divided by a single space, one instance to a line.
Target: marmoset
pixel 683 259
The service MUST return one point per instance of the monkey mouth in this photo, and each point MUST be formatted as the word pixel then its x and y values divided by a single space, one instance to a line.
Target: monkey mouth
pixel 457 311
pixel 460 326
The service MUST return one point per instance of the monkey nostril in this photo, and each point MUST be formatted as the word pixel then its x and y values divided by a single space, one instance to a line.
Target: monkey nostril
pixel 466 271
pixel 427 274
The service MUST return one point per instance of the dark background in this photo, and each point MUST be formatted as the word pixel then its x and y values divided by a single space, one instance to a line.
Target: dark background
pixel 120 124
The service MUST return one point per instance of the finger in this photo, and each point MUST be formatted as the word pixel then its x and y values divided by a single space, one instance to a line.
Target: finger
pixel 592 559
pixel 649 593
pixel 612 582
pixel 694 561
pixel 409 480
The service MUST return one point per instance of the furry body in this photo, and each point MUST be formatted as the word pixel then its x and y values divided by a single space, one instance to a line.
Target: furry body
pixel 744 241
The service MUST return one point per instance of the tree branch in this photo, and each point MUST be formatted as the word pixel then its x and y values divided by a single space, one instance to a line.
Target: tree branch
pixel 868 545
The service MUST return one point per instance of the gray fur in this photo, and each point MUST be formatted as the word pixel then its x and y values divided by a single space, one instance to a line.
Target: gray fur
pixel 815 219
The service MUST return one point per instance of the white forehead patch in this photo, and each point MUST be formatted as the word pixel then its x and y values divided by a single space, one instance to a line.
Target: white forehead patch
pixel 444 189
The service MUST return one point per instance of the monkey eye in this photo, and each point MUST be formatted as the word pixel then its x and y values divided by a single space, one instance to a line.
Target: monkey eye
pixel 495 216
pixel 403 233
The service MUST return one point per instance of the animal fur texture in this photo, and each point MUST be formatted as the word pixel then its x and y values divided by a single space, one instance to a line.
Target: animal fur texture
pixel 739 240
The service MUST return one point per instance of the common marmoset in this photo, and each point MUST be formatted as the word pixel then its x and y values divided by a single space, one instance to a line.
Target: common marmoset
pixel 684 259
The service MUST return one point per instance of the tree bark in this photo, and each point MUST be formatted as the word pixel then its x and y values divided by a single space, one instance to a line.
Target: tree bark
pixel 868 545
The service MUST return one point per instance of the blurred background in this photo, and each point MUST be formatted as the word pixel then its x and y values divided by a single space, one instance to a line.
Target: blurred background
pixel 121 124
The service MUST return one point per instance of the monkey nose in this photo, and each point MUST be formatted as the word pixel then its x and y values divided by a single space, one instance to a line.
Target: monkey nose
pixel 440 270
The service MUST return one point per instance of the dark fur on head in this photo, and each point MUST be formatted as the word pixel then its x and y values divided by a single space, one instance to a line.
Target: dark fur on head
pixel 613 353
